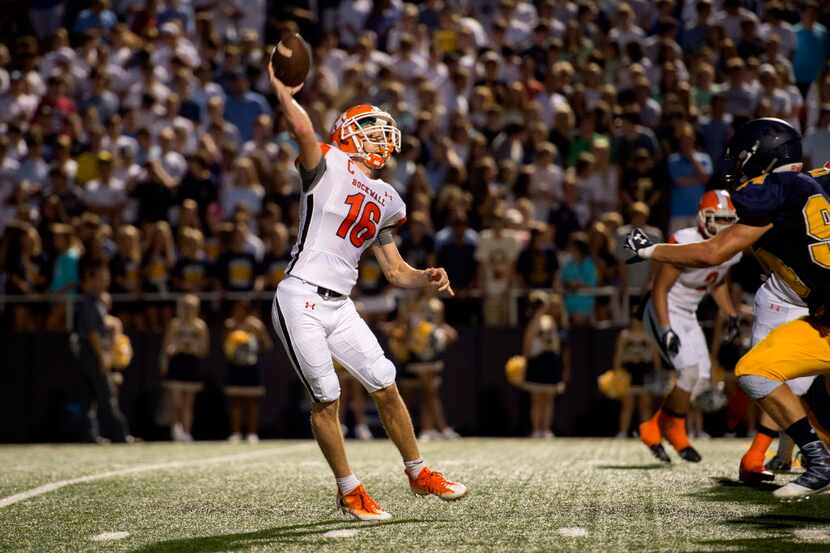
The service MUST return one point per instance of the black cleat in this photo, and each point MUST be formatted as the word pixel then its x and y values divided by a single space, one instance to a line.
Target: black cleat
pixel 690 454
pixel 660 453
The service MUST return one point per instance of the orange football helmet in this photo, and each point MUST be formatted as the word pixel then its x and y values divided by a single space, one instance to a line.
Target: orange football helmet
pixel 715 212
pixel 367 133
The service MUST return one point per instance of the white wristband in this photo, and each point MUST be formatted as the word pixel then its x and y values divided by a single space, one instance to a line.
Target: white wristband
pixel 647 252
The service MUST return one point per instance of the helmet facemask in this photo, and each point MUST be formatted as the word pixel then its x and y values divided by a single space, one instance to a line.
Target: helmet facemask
pixel 375 129
pixel 712 220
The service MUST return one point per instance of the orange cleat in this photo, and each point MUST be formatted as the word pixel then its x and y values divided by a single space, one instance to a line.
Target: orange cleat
pixel 429 482
pixel 752 470
pixel 360 505
pixel 652 438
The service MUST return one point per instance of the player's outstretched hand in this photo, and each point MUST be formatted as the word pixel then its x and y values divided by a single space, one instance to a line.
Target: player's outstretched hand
pixel 439 280
pixel 638 242
pixel 279 87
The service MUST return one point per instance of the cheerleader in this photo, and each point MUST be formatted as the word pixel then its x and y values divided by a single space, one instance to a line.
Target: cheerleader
pixel 635 353
pixel 429 336
pixel 186 345
pixel 245 339
pixel 548 361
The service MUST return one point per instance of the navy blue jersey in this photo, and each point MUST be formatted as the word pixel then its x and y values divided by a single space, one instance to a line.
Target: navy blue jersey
pixel 797 247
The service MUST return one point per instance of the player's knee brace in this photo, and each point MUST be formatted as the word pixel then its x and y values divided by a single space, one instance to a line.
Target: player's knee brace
pixel 757 387
pixel 688 377
pixel 326 389
pixel 382 372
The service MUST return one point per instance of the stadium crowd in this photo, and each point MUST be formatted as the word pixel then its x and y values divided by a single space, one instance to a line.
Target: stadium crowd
pixel 142 133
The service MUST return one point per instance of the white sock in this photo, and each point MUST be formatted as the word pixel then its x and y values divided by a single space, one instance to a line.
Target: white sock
pixel 347 484
pixel 413 468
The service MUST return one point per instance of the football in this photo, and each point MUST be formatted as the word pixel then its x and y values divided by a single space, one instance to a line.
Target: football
pixel 291 60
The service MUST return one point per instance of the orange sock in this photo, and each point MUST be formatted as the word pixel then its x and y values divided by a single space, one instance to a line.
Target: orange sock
pixel 760 444
pixel 753 459
pixel 674 427
pixel 650 431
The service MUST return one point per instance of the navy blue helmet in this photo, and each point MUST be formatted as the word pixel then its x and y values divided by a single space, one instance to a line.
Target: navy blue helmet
pixel 758 147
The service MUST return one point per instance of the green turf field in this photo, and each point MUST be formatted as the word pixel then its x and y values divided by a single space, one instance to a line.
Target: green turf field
pixel 558 495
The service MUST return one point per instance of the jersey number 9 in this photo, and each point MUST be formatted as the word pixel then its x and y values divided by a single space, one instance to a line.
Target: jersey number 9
pixel 817 218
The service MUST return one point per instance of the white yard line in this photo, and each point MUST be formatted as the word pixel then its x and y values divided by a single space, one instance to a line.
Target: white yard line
pixel 52 486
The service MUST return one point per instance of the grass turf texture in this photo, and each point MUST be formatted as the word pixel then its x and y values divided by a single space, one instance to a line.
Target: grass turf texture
pixel 525 496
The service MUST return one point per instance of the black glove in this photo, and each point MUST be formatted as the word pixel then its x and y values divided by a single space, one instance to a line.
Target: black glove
pixel 636 241
pixel 671 342
pixel 733 329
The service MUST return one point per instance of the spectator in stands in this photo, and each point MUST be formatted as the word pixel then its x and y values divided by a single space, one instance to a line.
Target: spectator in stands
pixel 741 96
pixel 496 255
pixel 186 345
pixel 277 255
pixel 25 273
pixel 456 251
pixel 601 243
pixel 565 218
pixel 246 339
pixel 538 264
pixel 192 271
pixel 243 188
pixel 689 170
pixel 94 356
pixel 635 277
pixel 817 97
pixel 817 140
pixel 236 268
pixel 64 271
pixel 97 17
pixel 106 195
pixel 812 47
pixel 125 269
pixel 545 181
pixel 417 243
pixel 243 106
pixel 157 263
pixel 578 274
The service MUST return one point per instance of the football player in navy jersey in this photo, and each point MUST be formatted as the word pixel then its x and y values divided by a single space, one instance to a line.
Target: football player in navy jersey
pixel 784 216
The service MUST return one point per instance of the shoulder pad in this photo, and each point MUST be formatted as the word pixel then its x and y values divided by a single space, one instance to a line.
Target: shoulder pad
pixel 753 181
pixel 820 171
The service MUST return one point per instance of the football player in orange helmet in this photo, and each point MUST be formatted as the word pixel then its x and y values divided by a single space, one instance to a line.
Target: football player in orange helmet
pixel 368 134
pixel 715 212
pixel 344 211
pixel 671 320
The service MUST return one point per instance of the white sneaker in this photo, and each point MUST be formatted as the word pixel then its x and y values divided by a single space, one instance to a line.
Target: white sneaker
pixel 362 432
pixel 177 433
pixel 252 438
pixel 235 438
pixel 621 435
pixel 450 434
pixel 430 436
pixel 547 435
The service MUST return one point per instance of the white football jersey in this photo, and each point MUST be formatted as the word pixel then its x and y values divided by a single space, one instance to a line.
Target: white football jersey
pixel 340 217
pixel 694 283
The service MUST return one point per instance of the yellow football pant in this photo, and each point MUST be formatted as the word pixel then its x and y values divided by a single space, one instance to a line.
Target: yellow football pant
pixel 794 349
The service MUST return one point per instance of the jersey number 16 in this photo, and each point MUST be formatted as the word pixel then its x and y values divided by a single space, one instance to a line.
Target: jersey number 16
pixel 367 220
